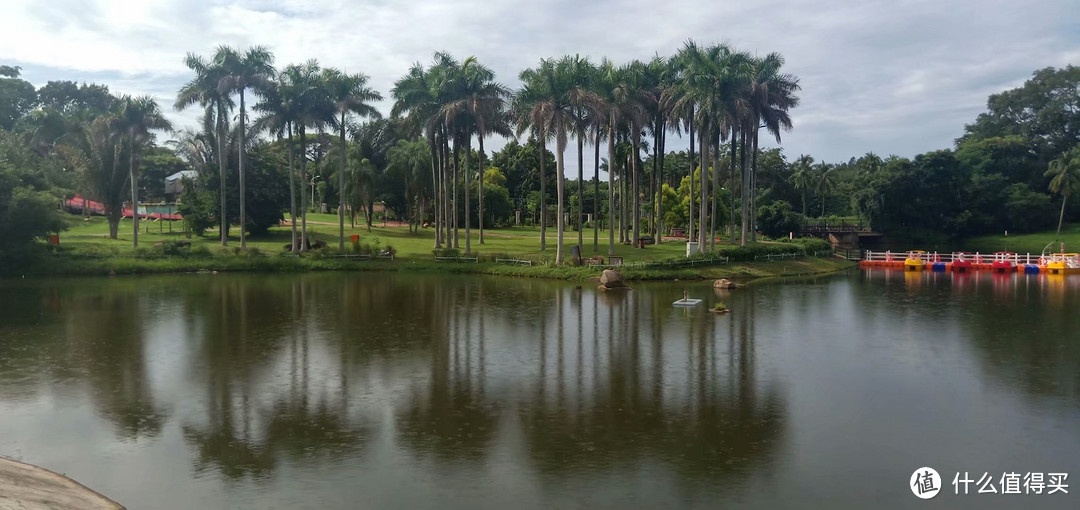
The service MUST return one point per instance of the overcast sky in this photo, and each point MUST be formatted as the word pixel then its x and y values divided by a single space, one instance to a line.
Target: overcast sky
pixel 892 76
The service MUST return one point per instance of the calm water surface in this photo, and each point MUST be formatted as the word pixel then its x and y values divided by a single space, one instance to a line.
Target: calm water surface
pixel 407 391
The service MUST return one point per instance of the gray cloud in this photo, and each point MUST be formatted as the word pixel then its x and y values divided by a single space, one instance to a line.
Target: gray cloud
pixel 894 77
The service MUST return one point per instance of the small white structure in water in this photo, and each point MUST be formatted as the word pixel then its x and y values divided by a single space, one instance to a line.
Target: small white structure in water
pixel 686 301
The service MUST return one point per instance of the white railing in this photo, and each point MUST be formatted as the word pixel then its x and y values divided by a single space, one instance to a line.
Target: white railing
pixel 977 258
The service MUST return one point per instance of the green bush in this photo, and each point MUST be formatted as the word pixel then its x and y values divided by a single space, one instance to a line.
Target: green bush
pixel 446 252
pixel 778 218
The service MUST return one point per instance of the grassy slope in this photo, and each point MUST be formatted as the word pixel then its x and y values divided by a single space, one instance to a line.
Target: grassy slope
pixel 1026 243
pixel 86 249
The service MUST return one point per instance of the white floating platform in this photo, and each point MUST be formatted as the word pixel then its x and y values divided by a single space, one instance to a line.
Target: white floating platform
pixel 687 302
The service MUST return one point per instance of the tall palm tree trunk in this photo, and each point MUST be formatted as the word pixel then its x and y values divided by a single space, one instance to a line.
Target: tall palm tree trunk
pixel 454 205
pixel 611 188
pixel 625 207
pixel 660 185
pixel 703 209
pixel 653 183
pixel 448 202
pixel 435 192
pixel 580 193
pixel 753 188
pixel 135 189
pixel 240 171
pixel 341 188
pixel 221 175
pixel 480 187
pixel 635 200
pixel 690 229
pixel 715 189
pixel 543 195
pixel 468 204
pixel 731 208
pixel 292 192
pixel 303 182
pixel 596 192
pixel 560 226
pixel 744 205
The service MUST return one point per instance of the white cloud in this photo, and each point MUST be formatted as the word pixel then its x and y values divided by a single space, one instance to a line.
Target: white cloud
pixel 890 76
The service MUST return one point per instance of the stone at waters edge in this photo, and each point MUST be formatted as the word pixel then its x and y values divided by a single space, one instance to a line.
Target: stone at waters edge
pixel 724 283
pixel 611 279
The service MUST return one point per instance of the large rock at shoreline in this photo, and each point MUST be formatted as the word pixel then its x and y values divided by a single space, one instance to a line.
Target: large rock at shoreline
pixel 611 279
pixel 724 283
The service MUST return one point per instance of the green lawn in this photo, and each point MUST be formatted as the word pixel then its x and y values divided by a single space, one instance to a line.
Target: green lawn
pixel 1026 243
pixel 92 235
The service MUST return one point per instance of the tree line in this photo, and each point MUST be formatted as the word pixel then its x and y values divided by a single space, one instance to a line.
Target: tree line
pixel 269 139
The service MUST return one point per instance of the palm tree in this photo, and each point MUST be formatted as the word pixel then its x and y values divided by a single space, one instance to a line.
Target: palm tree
pixel 661 75
pixel 252 69
pixel 546 102
pixel 311 108
pixel 770 94
pixel 610 113
pixel 415 98
pixel 96 150
pixel 528 111
pixel 580 73
pixel 137 117
pixel 348 93
pixel 803 178
pixel 1065 178
pixel 707 94
pixel 632 98
pixel 279 118
pixel 474 105
pixel 205 91
pixel 825 183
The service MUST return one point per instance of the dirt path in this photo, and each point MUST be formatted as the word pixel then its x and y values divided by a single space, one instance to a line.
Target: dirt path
pixel 26 487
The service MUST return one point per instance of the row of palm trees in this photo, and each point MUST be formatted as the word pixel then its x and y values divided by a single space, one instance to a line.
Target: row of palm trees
pixel 715 94
pixel 719 93
pixel 300 97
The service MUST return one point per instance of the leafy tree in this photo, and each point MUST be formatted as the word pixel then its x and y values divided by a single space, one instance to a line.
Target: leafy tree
pixel 197 207
pixel 28 209
pixel 82 101
pixel 1026 210
pixel 17 96
pixel 157 163
pixel 778 219
pixel 1044 111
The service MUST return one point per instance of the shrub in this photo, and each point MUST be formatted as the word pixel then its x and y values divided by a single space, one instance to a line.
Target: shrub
pixel 778 218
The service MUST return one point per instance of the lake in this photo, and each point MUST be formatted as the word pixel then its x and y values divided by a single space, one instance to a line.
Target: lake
pixel 382 390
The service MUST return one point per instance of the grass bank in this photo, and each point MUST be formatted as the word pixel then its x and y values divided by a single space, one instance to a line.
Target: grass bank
pixel 74 265
pixel 1026 243
pixel 85 249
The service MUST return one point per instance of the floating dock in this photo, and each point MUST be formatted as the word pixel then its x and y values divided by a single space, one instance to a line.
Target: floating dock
pixel 687 302
pixel 1001 262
